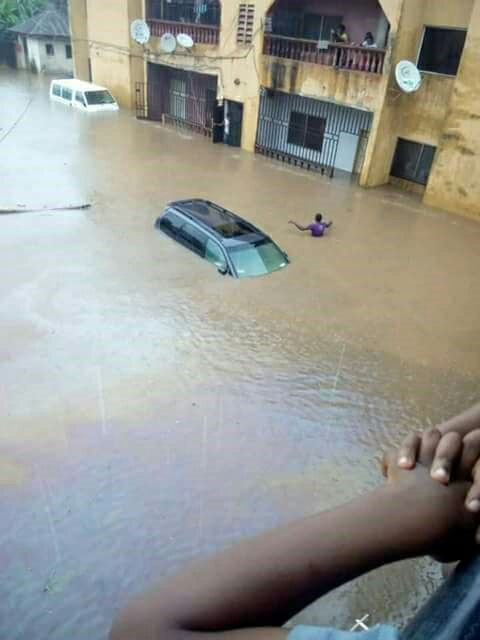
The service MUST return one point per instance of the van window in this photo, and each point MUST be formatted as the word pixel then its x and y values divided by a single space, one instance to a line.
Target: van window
pixel 66 93
pixel 79 98
pixel 99 97
pixel 193 238
pixel 57 90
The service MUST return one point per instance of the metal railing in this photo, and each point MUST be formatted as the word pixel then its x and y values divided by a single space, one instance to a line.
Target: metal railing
pixel 200 33
pixel 339 56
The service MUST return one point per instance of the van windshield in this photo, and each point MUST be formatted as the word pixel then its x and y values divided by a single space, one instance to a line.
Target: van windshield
pixel 99 97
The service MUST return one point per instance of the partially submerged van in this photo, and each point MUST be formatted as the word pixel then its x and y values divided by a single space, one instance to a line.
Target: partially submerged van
pixel 82 95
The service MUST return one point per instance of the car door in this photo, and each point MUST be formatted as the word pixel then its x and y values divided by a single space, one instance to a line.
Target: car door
pixel 193 238
pixel 216 255
pixel 170 223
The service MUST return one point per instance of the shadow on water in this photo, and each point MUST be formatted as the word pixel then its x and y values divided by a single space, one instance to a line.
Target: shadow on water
pixel 154 411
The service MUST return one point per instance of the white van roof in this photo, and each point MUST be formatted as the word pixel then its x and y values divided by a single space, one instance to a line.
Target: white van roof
pixel 79 85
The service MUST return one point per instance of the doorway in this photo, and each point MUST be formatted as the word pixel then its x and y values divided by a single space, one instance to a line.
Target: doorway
pixel 233 119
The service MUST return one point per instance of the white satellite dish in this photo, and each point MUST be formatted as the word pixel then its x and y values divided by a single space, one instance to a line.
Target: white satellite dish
pixel 140 31
pixel 408 76
pixel 168 43
pixel 184 40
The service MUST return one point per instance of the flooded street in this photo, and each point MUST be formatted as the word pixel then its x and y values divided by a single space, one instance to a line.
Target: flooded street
pixel 153 410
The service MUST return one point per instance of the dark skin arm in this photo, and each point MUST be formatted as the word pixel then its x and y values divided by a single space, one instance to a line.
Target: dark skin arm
pixel 299 226
pixel 248 591
pixel 458 434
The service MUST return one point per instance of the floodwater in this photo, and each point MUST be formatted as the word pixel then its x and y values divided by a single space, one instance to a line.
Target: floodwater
pixel 153 411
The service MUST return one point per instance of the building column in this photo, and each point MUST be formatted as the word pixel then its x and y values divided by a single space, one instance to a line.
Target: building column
pixel 79 30
pixel 453 184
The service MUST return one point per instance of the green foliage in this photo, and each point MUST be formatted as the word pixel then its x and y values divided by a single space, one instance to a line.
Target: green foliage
pixel 13 12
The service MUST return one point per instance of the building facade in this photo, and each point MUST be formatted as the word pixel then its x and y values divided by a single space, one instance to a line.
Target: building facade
pixel 43 42
pixel 281 79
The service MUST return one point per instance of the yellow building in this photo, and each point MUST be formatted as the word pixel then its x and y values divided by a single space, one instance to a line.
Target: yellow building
pixel 282 79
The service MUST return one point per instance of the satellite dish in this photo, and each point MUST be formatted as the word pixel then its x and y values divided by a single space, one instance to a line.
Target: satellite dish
pixel 168 44
pixel 140 31
pixel 408 76
pixel 184 40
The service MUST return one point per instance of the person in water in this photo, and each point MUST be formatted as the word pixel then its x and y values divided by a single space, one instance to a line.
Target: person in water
pixel 317 228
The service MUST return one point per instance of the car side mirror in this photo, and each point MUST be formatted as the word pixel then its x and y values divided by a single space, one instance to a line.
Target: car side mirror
pixel 223 270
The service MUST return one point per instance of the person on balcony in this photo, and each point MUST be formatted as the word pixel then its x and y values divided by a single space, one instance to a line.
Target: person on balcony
pixel 340 35
pixel 369 41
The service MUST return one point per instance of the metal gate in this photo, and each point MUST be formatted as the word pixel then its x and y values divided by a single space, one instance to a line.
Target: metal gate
pixel 174 96
pixel 309 133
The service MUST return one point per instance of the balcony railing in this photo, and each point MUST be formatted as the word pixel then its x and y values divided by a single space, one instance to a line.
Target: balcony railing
pixel 200 33
pixel 339 56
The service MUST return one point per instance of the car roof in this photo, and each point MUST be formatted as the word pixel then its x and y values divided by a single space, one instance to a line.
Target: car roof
pixel 79 85
pixel 230 228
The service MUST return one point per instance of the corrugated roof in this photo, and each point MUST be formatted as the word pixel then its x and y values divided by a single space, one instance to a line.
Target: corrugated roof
pixel 51 22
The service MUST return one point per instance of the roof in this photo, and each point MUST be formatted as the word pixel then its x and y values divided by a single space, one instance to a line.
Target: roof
pixel 224 223
pixel 78 85
pixel 52 22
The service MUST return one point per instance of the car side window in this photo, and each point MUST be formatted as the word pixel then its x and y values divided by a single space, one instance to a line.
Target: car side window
pixel 193 238
pixel 214 254
pixel 170 223
pixel 66 93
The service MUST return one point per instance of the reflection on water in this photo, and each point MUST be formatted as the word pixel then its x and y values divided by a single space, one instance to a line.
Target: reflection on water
pixel 154 410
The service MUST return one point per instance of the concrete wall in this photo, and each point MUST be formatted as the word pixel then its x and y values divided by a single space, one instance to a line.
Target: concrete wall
pixel 419 117
pixel 454 183
pixel 35 56
pixel 101 33
pixel 79 30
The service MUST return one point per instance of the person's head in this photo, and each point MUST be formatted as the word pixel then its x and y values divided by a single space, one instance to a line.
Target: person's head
pixel 369 37
pixel 318 217
pixel 341 29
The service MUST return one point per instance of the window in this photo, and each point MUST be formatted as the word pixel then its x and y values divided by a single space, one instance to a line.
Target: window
pixel 441 50
pixel 99 97
pixel 306 131
pixel 193 238
pixel 66 93
pixel 296 24
pixel 170 223
pixel 50 49
pixel 214 254
pixel 412 161
pixel 317 27
pixel 68 51
pixel 79 98
pixel 57 90
pixel 246 18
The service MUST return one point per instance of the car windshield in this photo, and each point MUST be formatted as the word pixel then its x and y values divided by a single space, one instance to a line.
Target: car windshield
pixel 257 260
pixel 99 97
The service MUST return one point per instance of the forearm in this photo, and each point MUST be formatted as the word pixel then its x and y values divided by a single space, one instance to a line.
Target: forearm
pixel 299 226
pixel 465 422
pixel 266 580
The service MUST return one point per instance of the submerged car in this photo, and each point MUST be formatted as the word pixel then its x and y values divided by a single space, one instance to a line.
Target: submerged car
pixel 235 246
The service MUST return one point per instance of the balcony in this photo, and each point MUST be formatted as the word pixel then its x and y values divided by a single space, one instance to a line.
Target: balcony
pixel 338 56
pixel 341 34
pixel 200 20
pixel 200 33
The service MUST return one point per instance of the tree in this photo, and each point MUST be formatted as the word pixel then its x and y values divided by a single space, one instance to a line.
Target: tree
pixel 14 11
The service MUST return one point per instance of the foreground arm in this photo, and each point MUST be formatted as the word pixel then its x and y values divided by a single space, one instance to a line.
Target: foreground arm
pixel 251 589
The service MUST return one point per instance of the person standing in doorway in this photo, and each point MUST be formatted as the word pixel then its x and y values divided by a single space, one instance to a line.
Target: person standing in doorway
pixel 317 228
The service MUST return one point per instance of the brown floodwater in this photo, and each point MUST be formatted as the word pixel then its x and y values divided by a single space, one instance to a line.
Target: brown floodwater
pixel 153 411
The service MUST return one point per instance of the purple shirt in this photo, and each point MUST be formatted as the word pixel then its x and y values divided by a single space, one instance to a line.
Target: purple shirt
pixel 317 229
